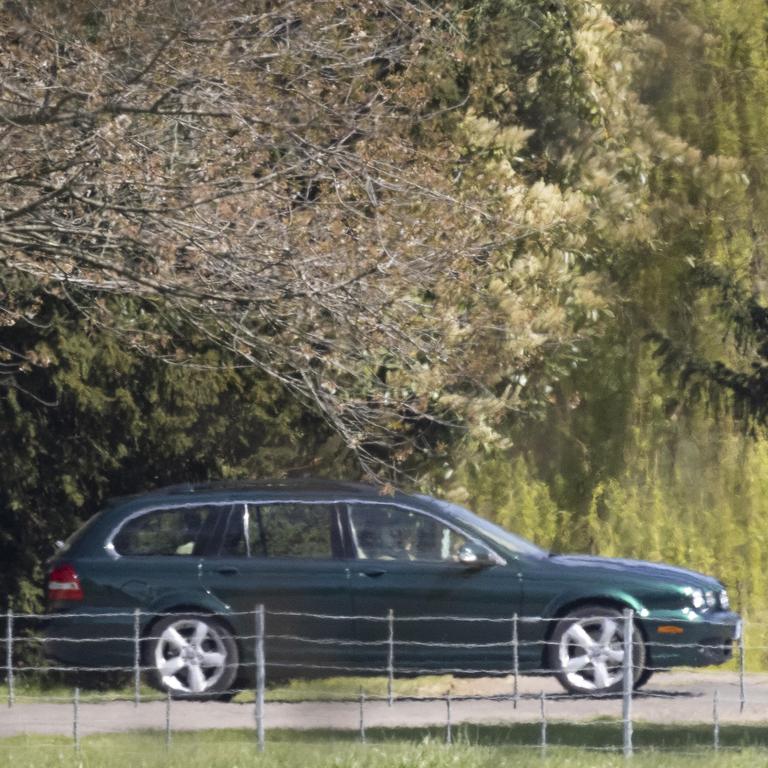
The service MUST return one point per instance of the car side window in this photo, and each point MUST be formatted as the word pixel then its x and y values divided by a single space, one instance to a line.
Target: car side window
pixel 182 531
pixel 388 532
pixel 282 530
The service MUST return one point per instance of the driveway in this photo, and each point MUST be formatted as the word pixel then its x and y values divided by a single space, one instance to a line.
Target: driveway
pixel 683 697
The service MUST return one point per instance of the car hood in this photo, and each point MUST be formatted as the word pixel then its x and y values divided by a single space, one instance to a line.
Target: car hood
pixel 592 564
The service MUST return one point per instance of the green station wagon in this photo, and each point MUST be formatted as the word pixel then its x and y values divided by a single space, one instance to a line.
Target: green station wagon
pixel 330 561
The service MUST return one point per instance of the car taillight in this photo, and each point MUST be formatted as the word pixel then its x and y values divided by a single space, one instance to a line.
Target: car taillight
pixel 64 584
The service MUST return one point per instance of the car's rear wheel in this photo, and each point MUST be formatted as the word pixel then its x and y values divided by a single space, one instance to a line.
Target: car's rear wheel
pixel 645 676
pixel 586 651
pixel 192 657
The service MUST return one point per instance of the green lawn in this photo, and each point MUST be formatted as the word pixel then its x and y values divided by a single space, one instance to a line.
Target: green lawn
pixel 32 689
pixel 473 747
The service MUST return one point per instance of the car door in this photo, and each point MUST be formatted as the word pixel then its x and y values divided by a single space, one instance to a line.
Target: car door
pixel 158 552
pixel 406 560
pixel 154 566
pixel 289 557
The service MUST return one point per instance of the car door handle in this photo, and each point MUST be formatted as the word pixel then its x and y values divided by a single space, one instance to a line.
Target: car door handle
pixel 373 573
pixel 229 571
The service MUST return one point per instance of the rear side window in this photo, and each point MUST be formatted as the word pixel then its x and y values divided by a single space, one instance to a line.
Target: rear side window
pixel 383 532
pixel 283 530
pixel 181 531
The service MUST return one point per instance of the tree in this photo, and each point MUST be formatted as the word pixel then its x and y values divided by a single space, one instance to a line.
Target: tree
pixel 287 181
pixel 92 419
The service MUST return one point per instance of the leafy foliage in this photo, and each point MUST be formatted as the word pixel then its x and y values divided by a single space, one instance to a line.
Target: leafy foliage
pixel 286 182
pixel 87 418
pixel 510 251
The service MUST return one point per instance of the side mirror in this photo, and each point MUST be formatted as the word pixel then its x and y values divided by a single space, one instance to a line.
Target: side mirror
pixel 474 555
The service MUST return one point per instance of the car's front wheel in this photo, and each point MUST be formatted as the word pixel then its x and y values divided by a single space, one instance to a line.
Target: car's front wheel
pixel 586 651
pixel 192 657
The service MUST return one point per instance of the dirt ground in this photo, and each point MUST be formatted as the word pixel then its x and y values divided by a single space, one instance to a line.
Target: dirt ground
pixel 670 697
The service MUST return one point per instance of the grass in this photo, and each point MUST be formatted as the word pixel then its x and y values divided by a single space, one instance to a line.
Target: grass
pixel 59 686
pixel 32 689
pixel 473 747
pixel 350 687
pixel 596 744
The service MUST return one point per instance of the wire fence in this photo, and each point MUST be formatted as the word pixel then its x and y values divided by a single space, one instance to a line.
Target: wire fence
pixel 397 655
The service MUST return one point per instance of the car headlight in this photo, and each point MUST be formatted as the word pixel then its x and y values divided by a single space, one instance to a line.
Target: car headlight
pixel 702 600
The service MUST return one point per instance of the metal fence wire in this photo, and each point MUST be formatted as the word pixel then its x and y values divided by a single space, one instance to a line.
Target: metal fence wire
pixel 20 637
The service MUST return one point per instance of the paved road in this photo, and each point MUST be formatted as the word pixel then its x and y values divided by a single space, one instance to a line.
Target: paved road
pixel 672 697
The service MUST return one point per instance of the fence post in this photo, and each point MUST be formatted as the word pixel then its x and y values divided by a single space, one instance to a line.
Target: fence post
pixel 260 676
pixel 742 654
pixel 9 655
pixel 716 720
pixel 76 719
pixel 628 680
pixel 448 734
pixel 136 657
pixel 362 716
pixel 390 657
pixel 542 699
pixel 515 661
pixel 167 721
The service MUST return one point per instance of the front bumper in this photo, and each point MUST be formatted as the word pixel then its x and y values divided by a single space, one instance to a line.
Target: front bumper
pixel 696 640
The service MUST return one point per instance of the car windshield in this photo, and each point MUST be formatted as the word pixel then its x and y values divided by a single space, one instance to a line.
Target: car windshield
pixel 490 530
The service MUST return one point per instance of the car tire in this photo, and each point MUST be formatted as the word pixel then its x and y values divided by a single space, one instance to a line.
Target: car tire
pixel 586 651
pixel 645 676
pixel 192 657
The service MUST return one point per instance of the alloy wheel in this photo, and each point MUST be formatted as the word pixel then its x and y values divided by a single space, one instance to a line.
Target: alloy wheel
pixel 190 656
pixel 587 651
